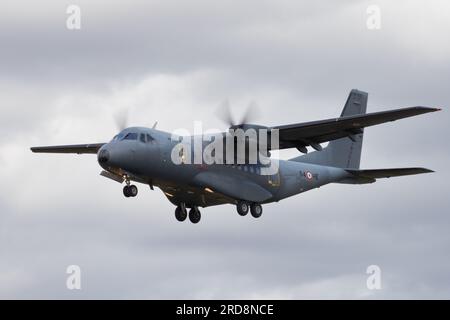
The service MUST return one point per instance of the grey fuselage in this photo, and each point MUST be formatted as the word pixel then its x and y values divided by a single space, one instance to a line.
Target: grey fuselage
pixel 150 163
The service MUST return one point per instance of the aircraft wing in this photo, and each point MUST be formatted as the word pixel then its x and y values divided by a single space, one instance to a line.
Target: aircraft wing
pixel 232 186
pixel 312 133
pixel 74 148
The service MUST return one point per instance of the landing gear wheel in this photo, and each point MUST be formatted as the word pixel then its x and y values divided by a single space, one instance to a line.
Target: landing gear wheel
pixel 126 191
pixel 133 190
pixel 130 191
pixel 194 215
pixel 242 208
pixel 180 213
pixel 256 210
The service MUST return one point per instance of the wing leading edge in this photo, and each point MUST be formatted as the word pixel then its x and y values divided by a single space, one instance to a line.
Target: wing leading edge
pixel 312 133
pixel 74 148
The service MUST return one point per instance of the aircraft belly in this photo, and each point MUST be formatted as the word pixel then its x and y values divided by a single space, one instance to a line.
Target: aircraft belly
pixel 191 196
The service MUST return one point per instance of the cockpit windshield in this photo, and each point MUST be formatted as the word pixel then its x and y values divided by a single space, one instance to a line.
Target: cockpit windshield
pixel 126 136
pixel 131 136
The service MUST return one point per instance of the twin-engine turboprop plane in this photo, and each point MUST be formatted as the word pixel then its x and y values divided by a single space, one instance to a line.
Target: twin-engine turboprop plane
pixel 145 155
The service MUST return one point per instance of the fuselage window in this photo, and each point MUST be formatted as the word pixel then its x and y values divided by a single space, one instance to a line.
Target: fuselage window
pixel 131 136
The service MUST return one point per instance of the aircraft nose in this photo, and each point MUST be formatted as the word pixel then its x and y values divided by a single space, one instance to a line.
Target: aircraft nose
pixel 103 156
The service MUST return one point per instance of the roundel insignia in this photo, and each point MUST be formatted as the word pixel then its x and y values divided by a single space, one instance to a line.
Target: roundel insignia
pixel 308 175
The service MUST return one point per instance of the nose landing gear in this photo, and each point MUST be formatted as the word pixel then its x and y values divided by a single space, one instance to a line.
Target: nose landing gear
pixel 129 190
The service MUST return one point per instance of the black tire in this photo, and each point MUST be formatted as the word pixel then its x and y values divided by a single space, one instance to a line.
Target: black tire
pixel 256 210
pixel 242 208
pixel 180 214
pixel 194 215
pixel 133 190
pixel 126 191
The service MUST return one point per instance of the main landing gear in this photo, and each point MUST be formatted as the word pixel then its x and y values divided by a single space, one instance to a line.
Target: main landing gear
pixel 243 207
pixel 181 213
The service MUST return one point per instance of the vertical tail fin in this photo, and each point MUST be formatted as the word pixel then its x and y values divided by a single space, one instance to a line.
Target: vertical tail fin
pixel 344 152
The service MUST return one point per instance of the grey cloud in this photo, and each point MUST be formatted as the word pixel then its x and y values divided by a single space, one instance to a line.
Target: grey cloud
pixel 298 61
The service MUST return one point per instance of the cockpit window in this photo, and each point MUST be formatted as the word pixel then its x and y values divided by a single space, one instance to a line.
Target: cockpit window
pixel 131 136
pixel 149 138
pixel 118 137
pixel 142 138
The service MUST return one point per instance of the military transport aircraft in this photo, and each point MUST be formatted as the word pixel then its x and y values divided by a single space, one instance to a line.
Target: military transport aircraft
pixel 143 155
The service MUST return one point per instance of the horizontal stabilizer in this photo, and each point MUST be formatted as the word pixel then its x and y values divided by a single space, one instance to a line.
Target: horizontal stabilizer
pixel 369 176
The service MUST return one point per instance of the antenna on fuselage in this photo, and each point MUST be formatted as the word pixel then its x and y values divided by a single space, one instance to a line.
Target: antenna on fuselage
pixel 154 126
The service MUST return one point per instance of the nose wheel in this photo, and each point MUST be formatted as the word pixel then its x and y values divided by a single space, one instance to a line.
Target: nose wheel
pixel 130 191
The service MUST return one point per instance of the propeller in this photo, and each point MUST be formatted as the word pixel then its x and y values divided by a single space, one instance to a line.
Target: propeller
pixel 224 113
pixel 121 119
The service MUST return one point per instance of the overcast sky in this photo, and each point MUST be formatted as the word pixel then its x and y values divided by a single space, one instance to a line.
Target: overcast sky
pixel 175 62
